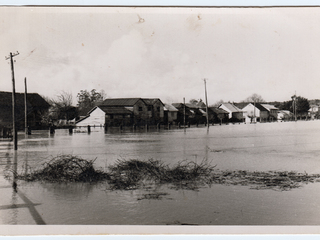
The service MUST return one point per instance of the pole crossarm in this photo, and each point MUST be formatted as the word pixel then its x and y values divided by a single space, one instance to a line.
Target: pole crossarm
pixel 12 55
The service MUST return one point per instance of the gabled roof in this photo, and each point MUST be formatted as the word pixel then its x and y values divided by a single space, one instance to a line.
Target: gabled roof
pixel 231 107
pixel 115 110
pixel 260 107
pixel 120 102
pixel 112 110
pixel 170 108
pixel 151 101
pixel 179 105
pixel 269 106
pixel 241 105
pixel 218 110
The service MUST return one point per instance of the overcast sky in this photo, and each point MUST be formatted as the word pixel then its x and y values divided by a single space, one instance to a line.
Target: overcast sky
pixel 163 52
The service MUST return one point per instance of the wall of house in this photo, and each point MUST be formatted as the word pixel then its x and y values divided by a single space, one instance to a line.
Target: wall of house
pixel 172 116
pixel 115 120
pixel 226 109
pixel 96 118
pixel 140 112
pixel 249 112
pixel 158 112
pixel 237 115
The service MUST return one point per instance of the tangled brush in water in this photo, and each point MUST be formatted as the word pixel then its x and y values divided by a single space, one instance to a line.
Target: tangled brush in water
pixel 133 174
pixel 65 168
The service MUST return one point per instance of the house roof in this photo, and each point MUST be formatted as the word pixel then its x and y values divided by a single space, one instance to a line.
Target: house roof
pixel 34 102
pixel 111 110
pixel 120 102
pixel 241 105
pixel 231 107
pixel 269 106
pixel 151 101
pixel 260 107
pixel 170 108
pixel 115 110
pixel 179 105
pixel 218 110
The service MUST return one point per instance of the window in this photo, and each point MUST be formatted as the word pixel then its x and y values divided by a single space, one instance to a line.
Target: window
pixel 140 109
pixel 158 109
pixel 149 108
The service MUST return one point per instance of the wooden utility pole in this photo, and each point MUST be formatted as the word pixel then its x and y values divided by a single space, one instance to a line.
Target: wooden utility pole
pixel 25 107
pixel 205 89
pixel 184 114
pixel 14 130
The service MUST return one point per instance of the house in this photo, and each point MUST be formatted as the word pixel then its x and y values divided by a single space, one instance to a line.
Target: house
pixel 284 115
pixel 125 111
pixel 36 109
pixel 184 113
pixel 255 112
pixel 273 111
pixel 235 114
pixel 217 115
pixel 170 113
pixel 100 115
pixel 314 112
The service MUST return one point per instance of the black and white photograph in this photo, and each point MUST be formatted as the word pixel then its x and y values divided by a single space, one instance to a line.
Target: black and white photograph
pixel 180 118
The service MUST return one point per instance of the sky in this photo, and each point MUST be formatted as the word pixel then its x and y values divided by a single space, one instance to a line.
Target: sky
pixel 163 52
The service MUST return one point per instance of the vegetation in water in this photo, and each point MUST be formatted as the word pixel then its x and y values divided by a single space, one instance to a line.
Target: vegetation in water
pixel 133 174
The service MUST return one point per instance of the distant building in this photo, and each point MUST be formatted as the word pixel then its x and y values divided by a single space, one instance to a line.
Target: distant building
pixel 125 111
pixel 273 111
pixel 314 111
pixel 284 115
pixel 170 114
pixel 218 115
pixel 255 112
pixel 235 114
pixel 36 109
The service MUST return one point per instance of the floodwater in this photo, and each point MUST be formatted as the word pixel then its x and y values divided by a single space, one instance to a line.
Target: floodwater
pixel 285 146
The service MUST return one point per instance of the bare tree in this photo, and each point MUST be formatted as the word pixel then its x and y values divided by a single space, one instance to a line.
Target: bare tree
pixel 254 98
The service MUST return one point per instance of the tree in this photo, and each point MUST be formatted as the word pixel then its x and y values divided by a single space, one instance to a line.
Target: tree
pixel 302 105
pixel 61 108
pixel 90 99
pixel 254 98
pixel 218 103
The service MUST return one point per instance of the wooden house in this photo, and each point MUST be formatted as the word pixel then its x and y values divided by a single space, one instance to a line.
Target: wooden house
pixel 273 111
pixel 125 112
pixel 217 115
pixel 170 114
pixel 255 112
pixel 235 114
pixel 36 109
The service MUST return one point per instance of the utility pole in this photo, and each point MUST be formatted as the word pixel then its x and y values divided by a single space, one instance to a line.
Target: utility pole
pixel 25 107
pixel 14 131
pixel 184 114
pixel 205 89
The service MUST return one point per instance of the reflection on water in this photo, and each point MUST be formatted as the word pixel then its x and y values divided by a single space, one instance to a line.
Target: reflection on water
pixel 292 146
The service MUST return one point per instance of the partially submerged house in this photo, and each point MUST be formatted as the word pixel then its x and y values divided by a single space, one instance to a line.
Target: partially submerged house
pixel 125 111
pixel 273 111
pixel 285 115
pixel 255 112
pixel 314 111
pixel 37 107
pixel 217 115
pixel 235 114
pixel 170 114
